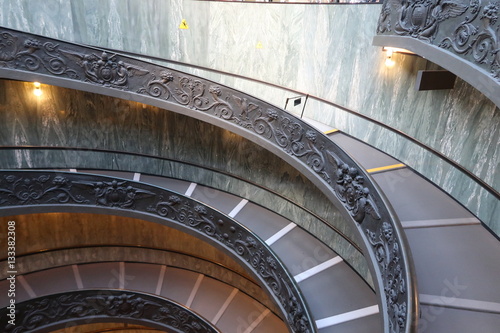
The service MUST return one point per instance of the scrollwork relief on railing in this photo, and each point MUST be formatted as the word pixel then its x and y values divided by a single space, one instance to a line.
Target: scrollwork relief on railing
pixel 468 28
pixel 31 54
pixel 302 144
pixel 94 306
pixel 52 188
pixel 105 69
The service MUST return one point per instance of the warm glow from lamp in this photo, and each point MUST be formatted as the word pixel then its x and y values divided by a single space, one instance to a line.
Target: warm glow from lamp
pixel 388 60
pixel 38 90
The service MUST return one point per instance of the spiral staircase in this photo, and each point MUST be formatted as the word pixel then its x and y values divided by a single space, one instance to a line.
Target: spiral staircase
pixel 413 260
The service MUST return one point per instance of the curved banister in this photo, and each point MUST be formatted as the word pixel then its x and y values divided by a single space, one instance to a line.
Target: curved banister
pixel 126 246
pixel 488 193
pixel 62 310
pixel 347 185
pixel 461 36
pixel 345 246
pixel 121 246
pixel 23 192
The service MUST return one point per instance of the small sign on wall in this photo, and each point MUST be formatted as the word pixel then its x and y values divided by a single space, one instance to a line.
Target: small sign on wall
pixel 183 24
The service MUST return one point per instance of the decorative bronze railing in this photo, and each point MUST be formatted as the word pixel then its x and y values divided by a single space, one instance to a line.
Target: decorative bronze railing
pixel 68 309
pixel 461 36
pixel 29 57
pixel 49 191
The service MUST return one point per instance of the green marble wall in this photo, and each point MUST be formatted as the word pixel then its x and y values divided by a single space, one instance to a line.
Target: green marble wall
pixel 321 50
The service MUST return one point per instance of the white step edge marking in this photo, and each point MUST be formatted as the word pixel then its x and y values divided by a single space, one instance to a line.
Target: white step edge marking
pixel 159 285
pixel 316 269
pixel 137 177
pixel 72 170
pixel 440 223
pixel 460 303
pixel 257 321
pixel 271 240
pixel 121 276
pixel 194 291
pixel 348 316
pixel 224 306
pixel 78 277
pixel 190 189
pixel 238 207
pixel 26 286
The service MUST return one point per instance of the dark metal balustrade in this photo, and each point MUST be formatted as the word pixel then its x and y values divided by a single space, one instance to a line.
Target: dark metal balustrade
pixel 29 57
pixel 461 36
pixel 44 191
pixel 62 310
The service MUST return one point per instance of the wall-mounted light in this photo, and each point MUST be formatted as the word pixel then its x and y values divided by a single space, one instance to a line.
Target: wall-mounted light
pixel 397 50
pixel 37 91
pixel 389 62
pixel 389 51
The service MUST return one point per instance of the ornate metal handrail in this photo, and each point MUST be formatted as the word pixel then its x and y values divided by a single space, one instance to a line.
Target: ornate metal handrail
pixel 46 191
pixel 347 185
pixel 461 36
pixel 101 305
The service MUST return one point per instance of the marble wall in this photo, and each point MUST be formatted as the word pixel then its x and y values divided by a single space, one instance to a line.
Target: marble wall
pixel 321 50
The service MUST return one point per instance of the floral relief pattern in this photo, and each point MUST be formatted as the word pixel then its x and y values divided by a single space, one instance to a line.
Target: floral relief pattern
pixel 41 189
pixel 33 55
pixel 105 69
pixel 469 28
pixel 99 305
pixel 480 42
pixel 244 245
pixel 386 250
pixel 38 188
pixel 303 144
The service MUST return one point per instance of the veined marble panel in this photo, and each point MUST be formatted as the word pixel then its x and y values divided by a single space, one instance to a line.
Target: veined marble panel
pixel 321 50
